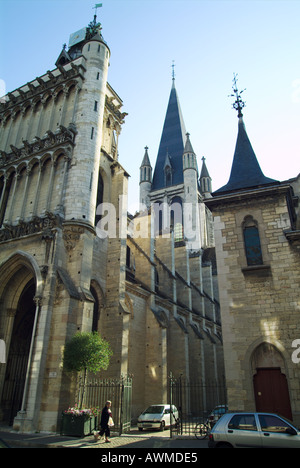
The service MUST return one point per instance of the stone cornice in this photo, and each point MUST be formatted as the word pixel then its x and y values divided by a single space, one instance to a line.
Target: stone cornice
pixel 42 84
pixel 50 140
pixel 38 224
pixel 241 195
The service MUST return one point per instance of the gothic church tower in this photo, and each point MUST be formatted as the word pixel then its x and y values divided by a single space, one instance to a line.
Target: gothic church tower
pixel 58 163
pixel 176 180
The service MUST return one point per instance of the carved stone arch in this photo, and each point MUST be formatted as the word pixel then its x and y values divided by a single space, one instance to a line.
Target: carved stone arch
pixel 16 261
pixel 266 354
pixel 7 117
pixel 10 171
pixel 35 102
pixel 249 221
pixel 35 161
pixel 45 157
pixel 20 292
pixel 58 153
pixel 58 91
pixel 70 85
pixel 46 97
pixel 16 112
pixel 23 165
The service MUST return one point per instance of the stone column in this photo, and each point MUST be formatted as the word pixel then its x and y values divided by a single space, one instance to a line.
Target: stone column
pixel 28 173
pixel 15 181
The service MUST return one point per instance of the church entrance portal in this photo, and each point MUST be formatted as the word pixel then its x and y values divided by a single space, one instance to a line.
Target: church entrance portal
pixel 269 381
pixel 17 360
pixel 271 392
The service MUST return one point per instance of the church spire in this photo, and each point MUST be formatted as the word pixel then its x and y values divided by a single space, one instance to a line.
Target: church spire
pixel 172 142
pixel 245 170
pixel 189 156
pixel 205 180
pixel 145 179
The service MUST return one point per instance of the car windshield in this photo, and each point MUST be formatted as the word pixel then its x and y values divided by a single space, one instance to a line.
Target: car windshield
pixel 154 410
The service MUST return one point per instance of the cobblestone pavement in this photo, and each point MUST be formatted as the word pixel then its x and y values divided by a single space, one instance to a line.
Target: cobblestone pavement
pixel 160 440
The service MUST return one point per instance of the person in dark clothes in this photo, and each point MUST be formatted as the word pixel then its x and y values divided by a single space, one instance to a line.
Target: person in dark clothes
pixel 105 415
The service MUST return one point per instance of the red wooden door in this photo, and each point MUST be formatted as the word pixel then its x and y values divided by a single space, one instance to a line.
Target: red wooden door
pixel 271 392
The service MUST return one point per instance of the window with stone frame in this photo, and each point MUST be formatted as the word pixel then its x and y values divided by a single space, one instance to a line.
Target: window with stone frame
pixel 252 242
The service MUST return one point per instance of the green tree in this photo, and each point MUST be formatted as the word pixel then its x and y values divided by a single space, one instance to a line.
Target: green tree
pixel 86 351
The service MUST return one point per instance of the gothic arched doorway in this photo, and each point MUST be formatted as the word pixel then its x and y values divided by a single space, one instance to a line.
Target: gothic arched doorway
pixel 269 381
pixel 20 341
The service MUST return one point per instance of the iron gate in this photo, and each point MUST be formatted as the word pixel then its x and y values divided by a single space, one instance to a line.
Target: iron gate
pixel 194 399
pixel 95 392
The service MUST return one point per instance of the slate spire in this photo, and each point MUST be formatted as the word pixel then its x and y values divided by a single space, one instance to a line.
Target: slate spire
pixel 171 143
pixel 245 170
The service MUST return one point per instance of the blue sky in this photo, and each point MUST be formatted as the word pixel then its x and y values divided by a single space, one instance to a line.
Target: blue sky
pixel 209 41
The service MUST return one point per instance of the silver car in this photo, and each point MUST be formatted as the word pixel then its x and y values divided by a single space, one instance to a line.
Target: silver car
pixel 260 430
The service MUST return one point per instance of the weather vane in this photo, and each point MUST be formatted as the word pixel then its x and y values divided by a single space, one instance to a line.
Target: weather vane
pixel 93 26
pixel 98 5
pixel 239 104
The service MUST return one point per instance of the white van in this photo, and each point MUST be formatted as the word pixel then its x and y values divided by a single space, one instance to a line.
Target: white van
pixel 158 417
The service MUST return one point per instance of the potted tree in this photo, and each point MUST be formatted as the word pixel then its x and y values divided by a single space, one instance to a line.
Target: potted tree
pixel 85 352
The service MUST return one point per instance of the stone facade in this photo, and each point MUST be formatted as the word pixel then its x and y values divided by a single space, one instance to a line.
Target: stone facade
pixel 259 299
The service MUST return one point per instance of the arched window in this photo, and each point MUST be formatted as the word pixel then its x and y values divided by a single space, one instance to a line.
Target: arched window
pixel 176 218
pixel 96 310
pixel 252 242
pixel 99 200
pixel 156 281
pixel 168 176
pixel 157 208
pixel 130 265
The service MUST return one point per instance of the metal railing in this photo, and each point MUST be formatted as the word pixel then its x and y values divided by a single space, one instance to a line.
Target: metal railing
pixel 195 400
pixel 95 392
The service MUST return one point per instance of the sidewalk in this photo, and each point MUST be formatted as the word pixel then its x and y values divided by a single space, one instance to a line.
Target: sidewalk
pixel 127 441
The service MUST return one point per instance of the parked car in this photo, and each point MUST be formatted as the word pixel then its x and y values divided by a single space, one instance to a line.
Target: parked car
pixel 261 430
pixel 215 415
pixel 158 417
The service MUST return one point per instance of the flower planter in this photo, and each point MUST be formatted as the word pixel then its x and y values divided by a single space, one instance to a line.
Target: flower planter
pixel 78 425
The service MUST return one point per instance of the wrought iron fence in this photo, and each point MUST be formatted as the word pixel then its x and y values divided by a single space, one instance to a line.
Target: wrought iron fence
pixel 95 392
pixel 194 399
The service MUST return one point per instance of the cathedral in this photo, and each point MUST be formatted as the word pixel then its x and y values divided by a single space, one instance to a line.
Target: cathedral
pixel 199 284
pixel 73 259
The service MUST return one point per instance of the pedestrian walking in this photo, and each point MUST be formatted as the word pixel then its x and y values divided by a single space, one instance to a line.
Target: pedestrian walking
pixel 106 422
